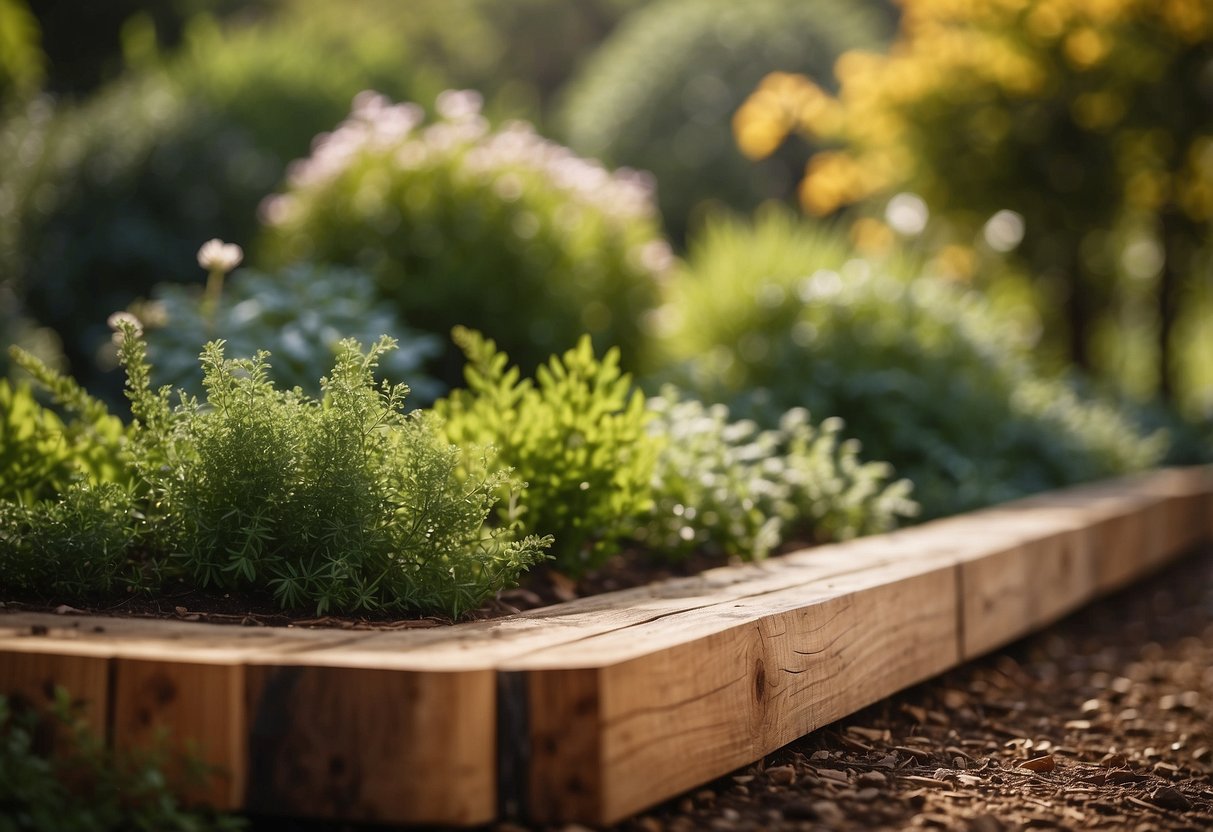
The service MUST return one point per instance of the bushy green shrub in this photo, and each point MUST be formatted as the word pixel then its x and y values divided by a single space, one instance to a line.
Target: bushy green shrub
pixel 659 94
pixel 923 373
pixel 41 455
pixel 344 503
pixel 290 72
pixel 298 315
pixel 100 201
pixel 729 486
pixel 80 785
pixel 103 199
pixel 576 435
pixel 499 230
pixel 80 544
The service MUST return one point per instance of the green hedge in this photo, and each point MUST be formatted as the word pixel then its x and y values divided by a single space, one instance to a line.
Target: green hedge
pixel 660 93
pixel 496 229
pixel 777 315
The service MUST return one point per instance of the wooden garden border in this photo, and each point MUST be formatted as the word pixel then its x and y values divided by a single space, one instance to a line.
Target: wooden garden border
pixel 594 710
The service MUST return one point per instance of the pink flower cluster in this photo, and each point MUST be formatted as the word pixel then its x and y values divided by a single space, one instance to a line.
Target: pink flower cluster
pixel 505 158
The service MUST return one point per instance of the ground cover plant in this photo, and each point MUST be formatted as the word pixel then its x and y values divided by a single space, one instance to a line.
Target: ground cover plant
pixel 459 222
pixel 56 775
pixel 339 504
pixel 726 485
pixel 922 372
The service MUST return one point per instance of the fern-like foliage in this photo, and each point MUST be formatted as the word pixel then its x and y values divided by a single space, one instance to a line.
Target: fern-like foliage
pixel 41 454
pixel 576 434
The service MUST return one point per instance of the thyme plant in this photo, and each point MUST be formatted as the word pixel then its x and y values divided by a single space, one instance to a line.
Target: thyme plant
pixel 341 503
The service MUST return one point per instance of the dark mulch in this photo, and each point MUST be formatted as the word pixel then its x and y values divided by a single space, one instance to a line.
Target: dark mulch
pixel 1100 722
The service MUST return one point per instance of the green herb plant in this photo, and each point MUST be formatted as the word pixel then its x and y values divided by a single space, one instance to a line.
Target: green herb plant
pixel 341 503
pixel 576 434
pixel 727 486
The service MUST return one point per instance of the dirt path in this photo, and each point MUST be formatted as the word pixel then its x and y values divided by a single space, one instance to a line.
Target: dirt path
pixel 1113 705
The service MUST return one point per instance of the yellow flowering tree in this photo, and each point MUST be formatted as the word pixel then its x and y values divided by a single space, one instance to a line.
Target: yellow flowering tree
pixel 1072 113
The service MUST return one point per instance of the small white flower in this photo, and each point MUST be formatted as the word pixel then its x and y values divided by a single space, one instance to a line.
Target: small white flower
pixel 216 255
pixel 115 322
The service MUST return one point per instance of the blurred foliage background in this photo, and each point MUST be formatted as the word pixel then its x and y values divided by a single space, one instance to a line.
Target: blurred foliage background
pixel 1013 199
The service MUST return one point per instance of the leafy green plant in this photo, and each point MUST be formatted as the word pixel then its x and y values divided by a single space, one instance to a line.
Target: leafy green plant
pixel 659 93
pixel 104 198
pixel 923 373
pixel 343 503
pixel 728 486
pixel 77 784
pixel 458 223
pixel 299 315
pixel 309 59
pixel 576 435
pixel 81 544
pixel 101 200
pixel 40 454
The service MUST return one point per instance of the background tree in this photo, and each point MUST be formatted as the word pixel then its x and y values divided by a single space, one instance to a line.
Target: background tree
pixel 1076 115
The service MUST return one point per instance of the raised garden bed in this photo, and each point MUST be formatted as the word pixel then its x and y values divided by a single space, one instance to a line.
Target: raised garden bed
pixel 595 709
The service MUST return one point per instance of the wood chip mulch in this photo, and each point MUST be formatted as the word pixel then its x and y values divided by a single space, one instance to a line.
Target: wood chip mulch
pixel 1100 722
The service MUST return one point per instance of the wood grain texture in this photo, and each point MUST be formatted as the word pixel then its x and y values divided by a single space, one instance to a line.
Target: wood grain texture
pixel 31 677
pixel 690 697
pixel 382 746
pixel 565 770
pixel 1012 591
pixel 622 700
pixel 192 709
